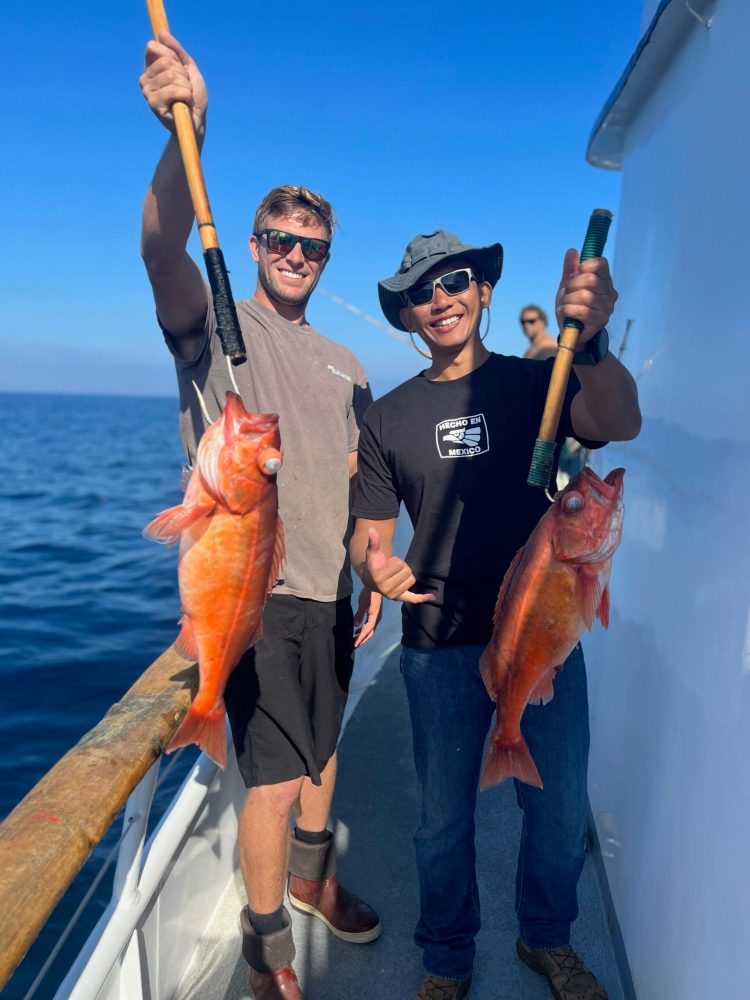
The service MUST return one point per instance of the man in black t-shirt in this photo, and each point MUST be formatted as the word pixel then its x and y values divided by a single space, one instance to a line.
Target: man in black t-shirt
pixel 454 445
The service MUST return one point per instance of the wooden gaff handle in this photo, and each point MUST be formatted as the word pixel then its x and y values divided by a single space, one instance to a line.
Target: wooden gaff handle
pixel 191 157
pixel 558 383
pixel 227 322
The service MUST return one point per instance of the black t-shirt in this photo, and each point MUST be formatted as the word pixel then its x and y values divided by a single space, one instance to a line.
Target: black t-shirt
pixel 457 454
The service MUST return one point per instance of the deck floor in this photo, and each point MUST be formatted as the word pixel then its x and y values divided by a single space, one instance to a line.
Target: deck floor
pixel 375 814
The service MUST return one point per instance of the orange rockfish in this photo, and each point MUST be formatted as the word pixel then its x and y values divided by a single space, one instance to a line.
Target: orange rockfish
pixel 231 549
pixel 554 588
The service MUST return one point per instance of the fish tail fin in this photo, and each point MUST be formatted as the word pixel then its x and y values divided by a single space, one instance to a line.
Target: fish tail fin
pixel 207 729
pixel 509 758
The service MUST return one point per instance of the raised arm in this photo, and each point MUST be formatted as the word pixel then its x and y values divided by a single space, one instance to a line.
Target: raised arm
pixel 179 291
pixel 606 408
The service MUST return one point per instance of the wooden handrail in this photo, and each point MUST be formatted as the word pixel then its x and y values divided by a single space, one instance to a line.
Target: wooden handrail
pixel 51 832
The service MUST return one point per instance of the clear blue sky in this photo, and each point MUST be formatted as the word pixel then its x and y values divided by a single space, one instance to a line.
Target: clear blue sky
pixel 408 117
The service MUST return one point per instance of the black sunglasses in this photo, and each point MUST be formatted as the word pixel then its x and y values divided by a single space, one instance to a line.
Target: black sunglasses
pixel 524 322
pixel 281 242
pixel 452 283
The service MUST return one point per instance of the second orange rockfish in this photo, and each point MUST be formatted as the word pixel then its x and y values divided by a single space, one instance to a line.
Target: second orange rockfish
pixel 554 588
pixel 231 549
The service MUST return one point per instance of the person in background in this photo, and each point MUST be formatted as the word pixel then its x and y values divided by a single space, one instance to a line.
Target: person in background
pixel 453 444
pixel 286 698
pixel 533 320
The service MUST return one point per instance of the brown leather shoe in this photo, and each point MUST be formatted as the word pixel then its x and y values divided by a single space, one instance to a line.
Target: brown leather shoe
pixel 270 958
pixel 279 985
pixel 343 913
pixel 437 988
pixel 313 888
pixel 568 977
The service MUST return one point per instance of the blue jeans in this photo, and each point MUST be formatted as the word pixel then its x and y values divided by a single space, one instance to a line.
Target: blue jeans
pixel 451 713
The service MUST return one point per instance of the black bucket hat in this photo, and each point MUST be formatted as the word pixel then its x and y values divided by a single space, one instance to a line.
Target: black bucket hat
pixel 423 253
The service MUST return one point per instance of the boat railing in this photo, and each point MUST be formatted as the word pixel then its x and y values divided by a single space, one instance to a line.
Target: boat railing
pixel 46 839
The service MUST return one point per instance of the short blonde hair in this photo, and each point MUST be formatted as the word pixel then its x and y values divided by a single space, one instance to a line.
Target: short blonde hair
pixel 297 201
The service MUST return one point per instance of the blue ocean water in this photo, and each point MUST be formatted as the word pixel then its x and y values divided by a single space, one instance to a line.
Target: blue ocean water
pixel 86 604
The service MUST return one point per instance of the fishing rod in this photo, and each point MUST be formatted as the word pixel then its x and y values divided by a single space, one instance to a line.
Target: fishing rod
pixel 363 315
pixel 227 323
pixel 542 459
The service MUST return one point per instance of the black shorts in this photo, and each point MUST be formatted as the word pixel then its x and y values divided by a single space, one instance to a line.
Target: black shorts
pixel 286 697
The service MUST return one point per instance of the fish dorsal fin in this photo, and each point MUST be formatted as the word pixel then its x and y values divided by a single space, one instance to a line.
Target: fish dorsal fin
pixel 169 525
pixel 603 612
pixel 279 554
pixel 185 644
pixel 588 594
pixel 505 585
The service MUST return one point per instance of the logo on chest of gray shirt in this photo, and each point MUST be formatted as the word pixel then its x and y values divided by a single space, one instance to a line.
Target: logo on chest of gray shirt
pixel 462 437
pixel 337 371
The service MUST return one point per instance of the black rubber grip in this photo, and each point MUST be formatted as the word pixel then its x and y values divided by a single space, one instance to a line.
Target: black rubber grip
pixel 227 323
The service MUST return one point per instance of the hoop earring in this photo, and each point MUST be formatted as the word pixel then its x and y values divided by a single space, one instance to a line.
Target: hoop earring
pixel 487 328
pixel 419 349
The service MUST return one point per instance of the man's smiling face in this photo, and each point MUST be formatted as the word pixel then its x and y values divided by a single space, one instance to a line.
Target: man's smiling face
pixel 290 278
pixel 448 322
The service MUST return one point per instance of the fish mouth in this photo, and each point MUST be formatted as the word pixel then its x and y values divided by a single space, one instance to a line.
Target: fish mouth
pixel 257 423
pixel 603 489
pixel 254 423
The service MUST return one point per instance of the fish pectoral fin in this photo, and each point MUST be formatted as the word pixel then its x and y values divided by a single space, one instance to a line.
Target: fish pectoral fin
pixel 588 595
pixel 603 612
pixel 185 644
pixel 169 525
pixel 544 692
pixel 279 554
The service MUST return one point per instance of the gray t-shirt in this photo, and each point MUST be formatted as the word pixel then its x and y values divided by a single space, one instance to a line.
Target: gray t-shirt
pixel 320 392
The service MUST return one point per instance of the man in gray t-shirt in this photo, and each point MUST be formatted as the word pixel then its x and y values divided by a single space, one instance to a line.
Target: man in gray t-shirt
pixel 286 697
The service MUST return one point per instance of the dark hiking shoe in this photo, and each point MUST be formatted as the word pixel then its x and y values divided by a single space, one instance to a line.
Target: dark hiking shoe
pixel 437 988
pixel 568 977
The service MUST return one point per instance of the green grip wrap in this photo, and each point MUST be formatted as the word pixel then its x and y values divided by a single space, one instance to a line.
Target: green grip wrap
pixel 541 463
pixel 596 234
pixel 593 245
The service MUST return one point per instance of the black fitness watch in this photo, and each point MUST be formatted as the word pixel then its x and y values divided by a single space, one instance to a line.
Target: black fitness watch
pixel 594 350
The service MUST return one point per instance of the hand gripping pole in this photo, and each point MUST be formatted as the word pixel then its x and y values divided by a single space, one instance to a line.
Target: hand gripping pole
pixel 544 449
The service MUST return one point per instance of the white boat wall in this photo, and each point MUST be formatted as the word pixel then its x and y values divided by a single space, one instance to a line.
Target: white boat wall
pixel 670 681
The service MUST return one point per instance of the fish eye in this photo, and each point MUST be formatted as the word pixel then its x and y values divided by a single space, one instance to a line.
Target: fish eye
pixel 572 502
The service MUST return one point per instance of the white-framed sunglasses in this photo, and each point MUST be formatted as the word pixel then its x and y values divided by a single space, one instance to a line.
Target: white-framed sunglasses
pixel 452 283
